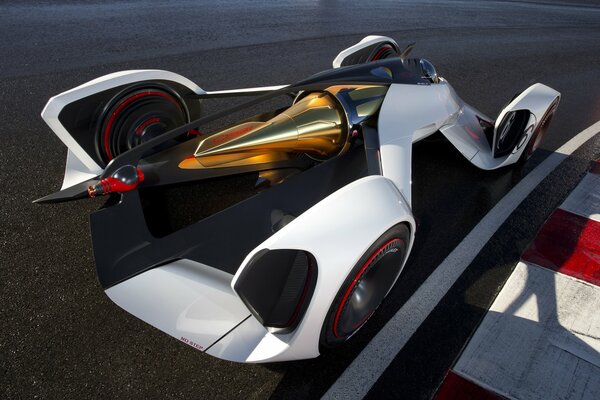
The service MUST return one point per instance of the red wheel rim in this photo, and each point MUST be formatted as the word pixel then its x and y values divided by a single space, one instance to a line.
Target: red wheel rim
pixel 355 318
pixel 128 101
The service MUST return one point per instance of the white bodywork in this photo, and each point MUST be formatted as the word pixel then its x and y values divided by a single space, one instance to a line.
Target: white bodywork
pixel 197 304
pixel 187 300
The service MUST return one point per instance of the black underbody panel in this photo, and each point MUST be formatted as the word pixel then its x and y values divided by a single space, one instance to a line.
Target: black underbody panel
pixel 124 246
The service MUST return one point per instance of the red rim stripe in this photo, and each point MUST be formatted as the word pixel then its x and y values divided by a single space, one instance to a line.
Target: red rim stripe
pixel 355 281
pixel 194 132
pixel 381 51
pixel 120 108
pixel 140 129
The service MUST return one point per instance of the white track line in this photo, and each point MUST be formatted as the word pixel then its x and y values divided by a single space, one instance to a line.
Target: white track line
pixel 364 371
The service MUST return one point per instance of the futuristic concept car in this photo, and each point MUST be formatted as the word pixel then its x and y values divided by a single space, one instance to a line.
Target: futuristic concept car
pixel 302 222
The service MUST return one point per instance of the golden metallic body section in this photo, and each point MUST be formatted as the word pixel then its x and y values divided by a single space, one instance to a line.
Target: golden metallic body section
pixel 315 125
pixel 234 160
pixel 363 92
pixel 369 108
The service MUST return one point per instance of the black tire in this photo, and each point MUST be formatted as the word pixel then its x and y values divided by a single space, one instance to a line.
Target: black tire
pixel 539 133
pixel 511 130
pixel 366 286
pixel 136 115
pixel 384 51
pixel 371 53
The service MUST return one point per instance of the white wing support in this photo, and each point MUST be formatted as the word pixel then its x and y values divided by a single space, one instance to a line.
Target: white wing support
pixel 408 114
pixel 80 166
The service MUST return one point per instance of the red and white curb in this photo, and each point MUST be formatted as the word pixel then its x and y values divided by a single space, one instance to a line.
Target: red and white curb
pixel 541 337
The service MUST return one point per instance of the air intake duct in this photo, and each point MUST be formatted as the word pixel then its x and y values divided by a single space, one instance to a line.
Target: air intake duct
pixel 277 286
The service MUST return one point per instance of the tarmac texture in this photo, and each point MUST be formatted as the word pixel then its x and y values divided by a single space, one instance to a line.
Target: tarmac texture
pixel 63 338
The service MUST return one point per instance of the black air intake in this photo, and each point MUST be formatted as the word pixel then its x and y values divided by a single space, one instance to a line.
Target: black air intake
pixel 277 285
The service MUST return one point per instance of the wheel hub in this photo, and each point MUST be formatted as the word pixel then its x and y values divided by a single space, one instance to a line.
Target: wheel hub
pixel 137 118
pixel 368 288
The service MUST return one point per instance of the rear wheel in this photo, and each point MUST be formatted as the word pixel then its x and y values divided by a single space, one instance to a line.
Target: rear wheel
pixel 384 51
pixel 366 286
pixel 136 115
pixel 378 51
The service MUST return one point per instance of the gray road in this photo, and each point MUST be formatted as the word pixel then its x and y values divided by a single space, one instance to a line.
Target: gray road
pixel 61 337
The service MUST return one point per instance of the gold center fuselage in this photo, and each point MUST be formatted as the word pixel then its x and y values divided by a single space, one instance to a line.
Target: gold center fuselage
pixel 315 125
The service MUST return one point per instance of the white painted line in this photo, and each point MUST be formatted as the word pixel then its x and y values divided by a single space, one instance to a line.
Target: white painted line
pixel 364 371
pixel 539 340
pixel 585 199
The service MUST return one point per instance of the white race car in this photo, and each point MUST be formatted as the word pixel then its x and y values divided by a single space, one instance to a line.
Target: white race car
pixel 303 215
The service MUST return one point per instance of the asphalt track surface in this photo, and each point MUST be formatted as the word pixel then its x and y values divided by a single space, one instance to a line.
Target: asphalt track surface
pixel 61 337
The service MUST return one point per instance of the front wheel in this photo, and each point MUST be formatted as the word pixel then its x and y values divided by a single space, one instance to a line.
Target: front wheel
pixel 366 286
pixel 539 133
